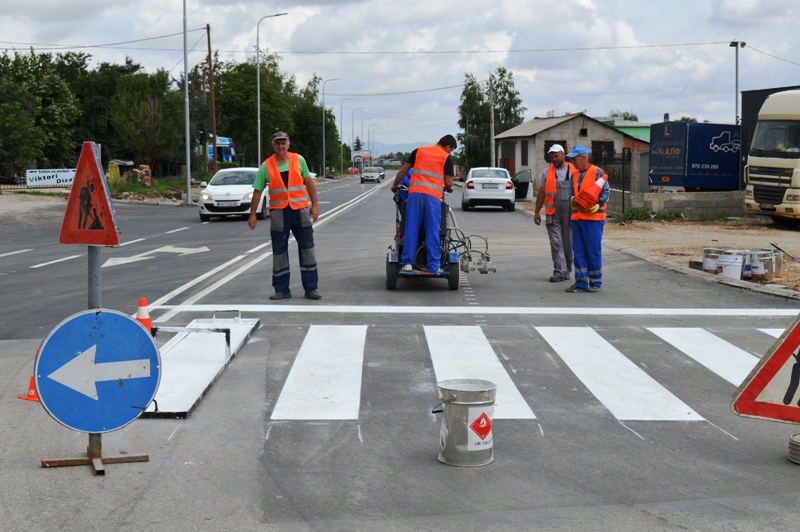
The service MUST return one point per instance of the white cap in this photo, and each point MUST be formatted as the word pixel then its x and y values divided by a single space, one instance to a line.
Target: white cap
pixel 556 147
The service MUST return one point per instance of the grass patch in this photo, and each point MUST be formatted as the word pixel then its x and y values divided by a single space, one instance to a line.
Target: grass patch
pixel 159 188
pixel 713 217
pixel 38 193
pixel 636 213
pixel 670 215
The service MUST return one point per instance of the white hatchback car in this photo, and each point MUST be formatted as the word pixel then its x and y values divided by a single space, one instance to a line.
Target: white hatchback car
pixel 230 193
pixel 488 186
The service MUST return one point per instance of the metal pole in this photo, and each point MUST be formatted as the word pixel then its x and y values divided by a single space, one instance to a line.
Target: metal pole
pixel 369 145
pixel 623 180
pixel 258 81
pixel 353 128
pixel 491 122
pixel 341 147
pixel 213 108
pixel 186 109
pixel 324 111
pixel 95 298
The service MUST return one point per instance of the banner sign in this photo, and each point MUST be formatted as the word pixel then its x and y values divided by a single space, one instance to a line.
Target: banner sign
pixel 62 177
pixel 361 156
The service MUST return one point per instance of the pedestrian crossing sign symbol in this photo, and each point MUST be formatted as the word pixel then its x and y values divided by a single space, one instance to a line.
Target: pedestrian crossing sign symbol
pixel 772 390
pixel 89 219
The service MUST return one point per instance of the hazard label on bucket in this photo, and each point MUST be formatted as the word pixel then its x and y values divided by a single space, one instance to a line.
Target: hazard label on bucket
pixel 479 435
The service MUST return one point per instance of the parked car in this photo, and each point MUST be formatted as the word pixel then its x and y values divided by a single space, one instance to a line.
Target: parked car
pixel 230 193
pixel 353 170
pixel 371 173
pixel 383 172
pixel 488 186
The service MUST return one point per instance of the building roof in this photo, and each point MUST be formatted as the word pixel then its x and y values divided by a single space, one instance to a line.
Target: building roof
pixel 537 125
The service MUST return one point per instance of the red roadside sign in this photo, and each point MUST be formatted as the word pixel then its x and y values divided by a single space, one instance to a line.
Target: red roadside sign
pixel 89 219
pixel 771 389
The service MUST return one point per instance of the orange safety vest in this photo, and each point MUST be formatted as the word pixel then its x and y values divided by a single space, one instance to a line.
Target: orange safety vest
pixel 427 176
pixel 591 189
pixel 296 195
pixel 550 188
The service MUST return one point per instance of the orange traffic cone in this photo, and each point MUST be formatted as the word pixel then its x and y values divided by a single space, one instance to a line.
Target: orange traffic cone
pixel 32 395
pixel 143 316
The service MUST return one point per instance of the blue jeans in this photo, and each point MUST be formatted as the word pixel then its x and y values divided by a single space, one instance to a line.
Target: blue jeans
pixel 587 236
pixel 298 222
pixel 423 210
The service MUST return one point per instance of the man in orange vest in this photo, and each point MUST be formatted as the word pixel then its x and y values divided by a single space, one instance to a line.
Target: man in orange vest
pixel 432 172
pixel 589 200
pixel 554 193
pixel 292 208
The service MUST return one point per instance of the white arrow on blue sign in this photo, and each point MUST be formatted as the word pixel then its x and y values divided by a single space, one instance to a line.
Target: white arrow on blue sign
pixel 97 371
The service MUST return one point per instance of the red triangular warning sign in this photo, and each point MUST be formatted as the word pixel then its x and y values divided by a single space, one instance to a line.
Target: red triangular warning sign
pixel 89 219
pixel 772 390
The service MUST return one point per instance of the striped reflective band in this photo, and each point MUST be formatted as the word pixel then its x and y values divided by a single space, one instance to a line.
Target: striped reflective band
pixel 422 184
pixel 429 174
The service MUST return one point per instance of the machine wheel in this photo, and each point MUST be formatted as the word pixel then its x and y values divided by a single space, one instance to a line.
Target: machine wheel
pixel 392 269
pixel 262 213
pixel 454 279
pixel 510 208
pixel 205 217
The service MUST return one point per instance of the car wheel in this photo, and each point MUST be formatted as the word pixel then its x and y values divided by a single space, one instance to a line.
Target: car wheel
pixel 464 206
pixel 454 279
pixel 205 217
pixel 511 207
pixel 362 180
pixel 262 213
pixel 392 269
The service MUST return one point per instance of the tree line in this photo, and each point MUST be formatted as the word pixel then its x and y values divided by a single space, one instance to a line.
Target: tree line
pixel 51 104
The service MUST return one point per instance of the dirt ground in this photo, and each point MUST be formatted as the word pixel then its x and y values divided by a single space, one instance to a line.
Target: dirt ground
pixel 683 241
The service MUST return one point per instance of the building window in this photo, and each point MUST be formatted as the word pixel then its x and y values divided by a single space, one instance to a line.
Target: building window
pixel 548 143
pixel 524 153
pixel 584 132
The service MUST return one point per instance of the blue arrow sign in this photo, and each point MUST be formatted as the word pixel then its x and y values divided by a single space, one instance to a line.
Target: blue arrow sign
pixel 97 371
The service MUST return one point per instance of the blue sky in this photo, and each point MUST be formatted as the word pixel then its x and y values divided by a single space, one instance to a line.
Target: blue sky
pixel 694 80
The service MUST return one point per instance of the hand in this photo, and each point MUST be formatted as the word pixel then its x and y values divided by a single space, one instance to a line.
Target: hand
pixel 252 221
pixel 572 201
pixel 314 212
pixel 449 189
pixel 537 219
pixel 395 188
pixel 593 209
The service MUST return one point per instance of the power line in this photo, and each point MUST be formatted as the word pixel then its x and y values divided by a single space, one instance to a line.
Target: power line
pixel 68 46
pixel 181 59
pixel 773 56
pixel 395 93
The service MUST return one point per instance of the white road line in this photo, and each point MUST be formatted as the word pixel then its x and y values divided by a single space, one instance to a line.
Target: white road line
pixel 176 230
pixel 724 359
pixel 518 311
pixel 54 261
pixel 15 252
pixel 325 379
pixel 257 248
pixel 131 242
pixel 775 333
pixel 628 392
pixel 465 353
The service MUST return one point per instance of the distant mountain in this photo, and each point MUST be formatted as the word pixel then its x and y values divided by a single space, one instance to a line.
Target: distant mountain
pixel 381 148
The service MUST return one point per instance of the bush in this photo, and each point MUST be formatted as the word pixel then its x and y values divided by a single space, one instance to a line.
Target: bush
pixel 160 188
pixel 670 215
pixel 636 213
pixel 713 217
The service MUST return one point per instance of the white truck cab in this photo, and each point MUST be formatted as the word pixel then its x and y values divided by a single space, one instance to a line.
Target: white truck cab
pixel 772 174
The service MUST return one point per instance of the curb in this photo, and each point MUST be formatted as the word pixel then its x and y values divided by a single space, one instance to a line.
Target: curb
pixel 772 290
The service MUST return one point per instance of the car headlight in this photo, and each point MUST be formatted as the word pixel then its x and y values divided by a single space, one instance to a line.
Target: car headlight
pixel 206 196
pixel 793 197
pixel 748 193
pixel 247 196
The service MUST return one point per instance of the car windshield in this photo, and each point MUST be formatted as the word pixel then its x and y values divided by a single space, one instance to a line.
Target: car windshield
pixel 498 174
pixel 777 138
pixel 234 178
pixel 371 170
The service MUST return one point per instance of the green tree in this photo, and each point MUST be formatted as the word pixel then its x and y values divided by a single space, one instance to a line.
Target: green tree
pixel 623 115
pixel 54 108
pixel 687 119
pixel 357 146
pixel 20 140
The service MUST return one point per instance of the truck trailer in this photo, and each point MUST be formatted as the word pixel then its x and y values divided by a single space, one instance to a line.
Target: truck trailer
pixel 772 173
pixel 695 156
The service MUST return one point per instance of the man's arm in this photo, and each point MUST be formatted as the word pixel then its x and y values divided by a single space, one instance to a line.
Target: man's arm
pixel 448 183
pixel 401 174
pixel 537 219
pixel 312 194
pixel 261 182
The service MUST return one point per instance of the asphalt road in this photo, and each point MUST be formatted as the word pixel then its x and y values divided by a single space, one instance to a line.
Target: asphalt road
pixel 636 436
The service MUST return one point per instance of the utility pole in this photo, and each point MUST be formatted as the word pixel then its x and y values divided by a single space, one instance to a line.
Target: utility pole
pixel 737 44
pixel 491 121
pixel 186 110
pixel 213 108
pixel 341 139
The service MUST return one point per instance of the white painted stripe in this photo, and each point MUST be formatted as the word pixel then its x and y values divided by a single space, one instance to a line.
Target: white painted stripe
pixel 465 353
pixel 519 311
pixel 131 242
pixel 176 230
pixel 325 379
pixel 724 359
pixel 15 252
pixel 775 333
pixel 625 389
pixel 257 248
pixel 55 261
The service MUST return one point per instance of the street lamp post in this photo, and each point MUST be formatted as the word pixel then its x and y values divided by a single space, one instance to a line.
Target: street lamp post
pixel 324 167
pixel 369 144
pixel 186 110
pixel 341 148
pixel 258 80
pixel 737 44
pixel 362 139
pixel 353 129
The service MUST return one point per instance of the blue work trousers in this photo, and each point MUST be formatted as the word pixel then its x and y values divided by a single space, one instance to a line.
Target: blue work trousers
pixel 423 210
pixel 297 222
pixel 587 236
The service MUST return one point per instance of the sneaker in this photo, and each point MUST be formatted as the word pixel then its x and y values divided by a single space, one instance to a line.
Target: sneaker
pixel 281 295
pixel 576 288
pixel 593 289
pixel 407 268
pixel 439 271
pixel 557 279
pixel 313 294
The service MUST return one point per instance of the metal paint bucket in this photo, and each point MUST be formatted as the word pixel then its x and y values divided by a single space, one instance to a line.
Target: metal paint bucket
pixel 730 265
pixel 467 408
pixel 761 265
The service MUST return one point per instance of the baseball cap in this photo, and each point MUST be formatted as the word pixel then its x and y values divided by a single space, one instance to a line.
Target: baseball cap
pixel 556 147
pixel 578 150
pixel 280 135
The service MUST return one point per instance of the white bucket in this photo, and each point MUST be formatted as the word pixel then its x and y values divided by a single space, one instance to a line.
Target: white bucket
pixel 730 266
pixel 710 263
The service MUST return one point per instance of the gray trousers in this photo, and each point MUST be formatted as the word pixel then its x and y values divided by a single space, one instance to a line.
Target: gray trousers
pixel 560 233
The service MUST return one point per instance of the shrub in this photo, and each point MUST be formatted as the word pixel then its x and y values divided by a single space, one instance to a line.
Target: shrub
pixel 636 213
pixel 670 215
pixel 713 217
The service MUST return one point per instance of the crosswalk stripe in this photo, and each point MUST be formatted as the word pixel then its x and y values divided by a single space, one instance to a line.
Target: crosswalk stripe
pixel 325 379
pixel 775 333
pixel 624 389
pixel 724 359
pixel 465 353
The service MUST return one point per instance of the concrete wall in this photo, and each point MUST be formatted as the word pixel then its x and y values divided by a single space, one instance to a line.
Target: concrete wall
pixel 691 204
